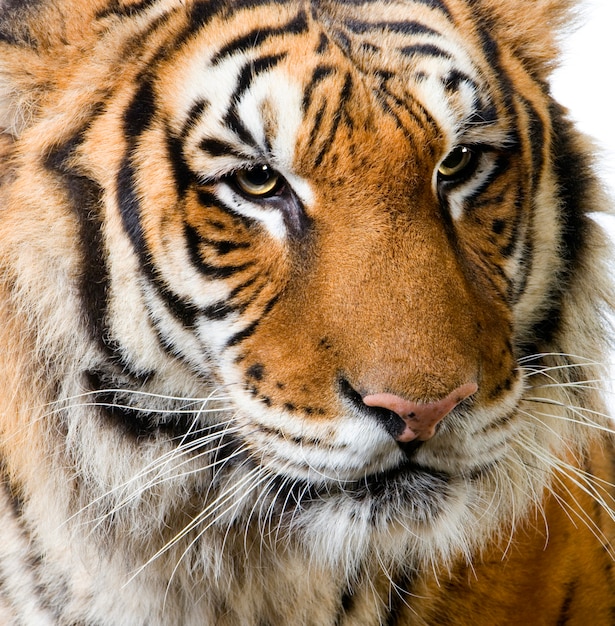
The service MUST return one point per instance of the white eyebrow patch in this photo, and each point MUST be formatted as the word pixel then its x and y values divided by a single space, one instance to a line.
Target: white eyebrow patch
pixel 271 218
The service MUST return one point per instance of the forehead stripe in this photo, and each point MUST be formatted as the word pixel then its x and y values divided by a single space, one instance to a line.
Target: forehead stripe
pixel 341 113
pixel 252 69
pixel 403 28
pixel 318 75
pixel 425 50
pixel 438 5
pixel 259 36
pixel 203 11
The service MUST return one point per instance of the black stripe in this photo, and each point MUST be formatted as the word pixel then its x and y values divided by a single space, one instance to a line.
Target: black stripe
pixel 564 612
pixel 251 70
pixel 224 246
pixel 194 242
pixel 85 198
pixel 340 111
pixel 317 123
pixel 141 111
pixel 221 310
pixel 425 50
pixel 203 11
pixel 538 139
pixel 247 332
pixel 242 287
pixel 502 165
pixel 184 311
pixel 318 75
pixel 382 98
pixel 235 123
pixel 129 206
pixel 130 10
pixel 422 115
pixel 412 107
pixel 520 200
pixel 216 148
pixel 403 28
pixel 573 172
pixel 195 113
pixel 323 44
pixel 342 40
pixel 259 36
pixel 182 174
pixel 208 199
pixel 140 422
pixel 492 55
pixel 455 78
pixel 518 285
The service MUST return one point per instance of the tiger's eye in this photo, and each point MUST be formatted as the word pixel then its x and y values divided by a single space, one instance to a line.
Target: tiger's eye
pixel 260 181
pixel 458 162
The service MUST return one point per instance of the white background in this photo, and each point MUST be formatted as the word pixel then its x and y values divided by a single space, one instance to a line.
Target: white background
pixel 585 83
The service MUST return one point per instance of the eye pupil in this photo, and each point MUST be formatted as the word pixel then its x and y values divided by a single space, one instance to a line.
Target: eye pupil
pixel 258 176
pixel 458 162
pixel 259 181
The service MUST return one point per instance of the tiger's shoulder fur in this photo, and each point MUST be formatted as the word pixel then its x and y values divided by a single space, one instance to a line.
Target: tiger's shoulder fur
pixel 302 315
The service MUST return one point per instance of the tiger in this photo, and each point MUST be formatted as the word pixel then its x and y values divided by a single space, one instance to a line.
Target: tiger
pixel 304 317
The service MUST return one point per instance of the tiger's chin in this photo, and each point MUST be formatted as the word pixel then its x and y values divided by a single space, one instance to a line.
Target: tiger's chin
pixel 402 509
pixel 408 516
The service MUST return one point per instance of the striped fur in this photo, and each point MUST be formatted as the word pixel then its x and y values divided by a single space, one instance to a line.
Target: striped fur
pixel 226 223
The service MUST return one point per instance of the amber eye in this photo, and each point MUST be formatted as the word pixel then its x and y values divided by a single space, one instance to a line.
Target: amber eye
pixel 260 181
pixel 460 162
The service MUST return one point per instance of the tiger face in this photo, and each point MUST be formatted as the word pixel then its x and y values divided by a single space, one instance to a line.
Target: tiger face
pixel 306 268
pixel 302 236
pixel 316 288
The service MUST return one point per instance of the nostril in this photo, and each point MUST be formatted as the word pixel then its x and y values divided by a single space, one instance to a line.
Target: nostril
pixel 407 421
pixel 390 420
pixel 419 419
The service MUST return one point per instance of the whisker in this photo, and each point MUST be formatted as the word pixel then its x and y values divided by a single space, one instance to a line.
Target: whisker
pixel 581 412
pixel 219 514
pixel 210 509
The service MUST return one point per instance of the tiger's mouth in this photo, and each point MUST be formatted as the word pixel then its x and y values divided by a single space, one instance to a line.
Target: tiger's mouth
pixel 408 478
pixel 421 492
pixel 405 479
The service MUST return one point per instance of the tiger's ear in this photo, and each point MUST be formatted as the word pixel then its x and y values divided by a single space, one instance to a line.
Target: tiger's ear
pixel 531 29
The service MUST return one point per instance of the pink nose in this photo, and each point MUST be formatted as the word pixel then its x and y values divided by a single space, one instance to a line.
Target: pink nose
pixel 420 419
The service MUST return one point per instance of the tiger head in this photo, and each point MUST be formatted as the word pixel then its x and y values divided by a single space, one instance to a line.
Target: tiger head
pixel 324 255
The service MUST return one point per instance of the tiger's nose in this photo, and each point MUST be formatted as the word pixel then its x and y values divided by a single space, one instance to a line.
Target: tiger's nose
pixel 419 420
